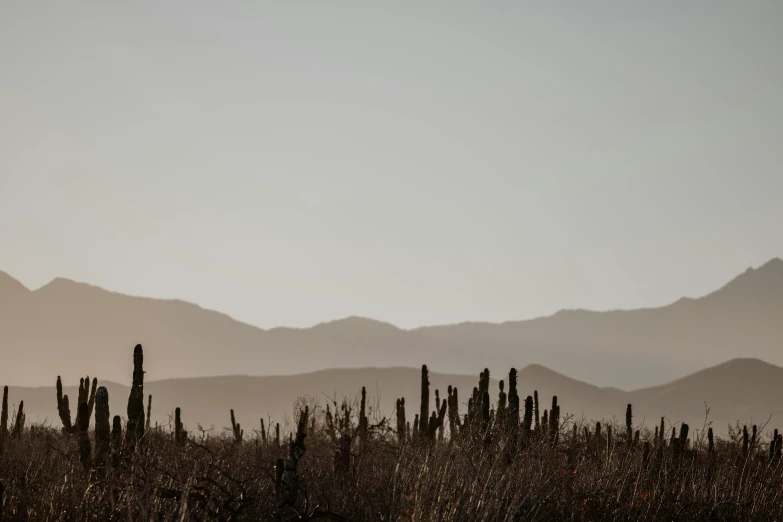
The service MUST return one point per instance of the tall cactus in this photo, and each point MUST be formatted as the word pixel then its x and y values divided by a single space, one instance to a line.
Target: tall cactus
pixel 19 424
pixel 363 421
pixel 527 422
pixel 629 425
pixel 149 412
pixel 536 410
pixel 102 430
pixel 502 404
pixel 85 449
pixel 425 401
pixel 441 420
pixel 554 419
pixel 512 415
pixel 454 420
pixel 236 428
pixel 135 429
pixel 485 411
pixel 63 408
pixel 180 435
pixel 116 440
pixel 401 420
pixel 4 415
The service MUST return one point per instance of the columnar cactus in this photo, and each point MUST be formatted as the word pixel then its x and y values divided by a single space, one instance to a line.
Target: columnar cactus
pixel 4 414
pixel 149 412
pixel 629 425
pixel 180 435
pixel 711 441
pixel 441 419
pixel 85 450
pixel 135 429
pixel 116 440
pixel 453 402
pixel 544 422
pixel 554 418
pixel 536 410
pixel 512 415
pixel 63 407
pixel 662 431
pixel 236 428
pixel 363 421
pixel 19 424
pixel 502 398
pixel 102 430
pixel 527 421
pixel 425 401
pixel 401 420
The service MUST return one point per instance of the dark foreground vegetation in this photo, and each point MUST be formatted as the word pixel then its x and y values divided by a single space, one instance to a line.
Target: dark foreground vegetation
pixel 495 457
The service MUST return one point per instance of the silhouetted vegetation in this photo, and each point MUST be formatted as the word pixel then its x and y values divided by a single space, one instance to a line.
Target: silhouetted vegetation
pixel 346 461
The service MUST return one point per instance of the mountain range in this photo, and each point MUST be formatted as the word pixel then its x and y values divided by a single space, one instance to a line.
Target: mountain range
pixel 70 329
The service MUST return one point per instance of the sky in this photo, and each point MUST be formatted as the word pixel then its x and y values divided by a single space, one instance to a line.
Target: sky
pixel 289 163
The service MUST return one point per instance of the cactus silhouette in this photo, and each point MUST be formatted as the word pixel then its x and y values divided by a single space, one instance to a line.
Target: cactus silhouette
pixel 102 430
pixel 135 428
pixel 85 449
pixel 236 428
pixel 425 401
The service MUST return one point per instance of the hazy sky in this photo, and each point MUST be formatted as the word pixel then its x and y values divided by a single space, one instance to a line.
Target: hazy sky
pixel 289 163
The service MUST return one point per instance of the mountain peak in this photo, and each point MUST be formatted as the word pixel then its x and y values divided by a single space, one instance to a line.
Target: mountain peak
pixel 10 286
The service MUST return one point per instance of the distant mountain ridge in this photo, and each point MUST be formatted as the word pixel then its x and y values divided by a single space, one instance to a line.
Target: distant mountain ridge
pixel 68 328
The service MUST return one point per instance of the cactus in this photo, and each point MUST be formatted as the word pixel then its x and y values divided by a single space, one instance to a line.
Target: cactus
pixel 180 435
pixel 416 425
pixel 512 415
pixel 527 421
pixel 401 420
pixel 662 431
pixel 4 414
pixel 236 428
pixel 629 425
pixel 116 440
pixel 102 430
pixel 554 419
pixel 135 429
pixel 263 427
pixel 502 399
pixel 363 422
pixel 453 403
pixel 63 407
pixel 544 422
pixel 19 424
pixel 536 410
pixel 425 401
pixel 441 420
pixel 85 450
pixel 149 412
pixel 711 441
